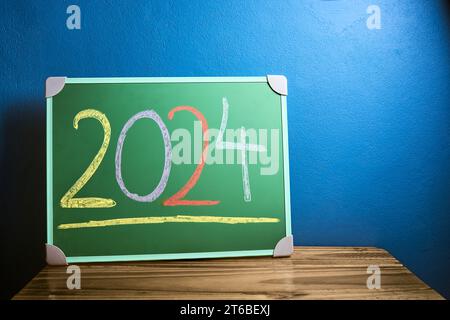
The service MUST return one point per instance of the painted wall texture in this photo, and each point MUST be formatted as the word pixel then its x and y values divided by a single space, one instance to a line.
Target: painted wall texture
pixel 369 110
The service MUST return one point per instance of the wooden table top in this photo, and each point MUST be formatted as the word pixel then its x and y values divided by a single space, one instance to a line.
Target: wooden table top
pixel 310 273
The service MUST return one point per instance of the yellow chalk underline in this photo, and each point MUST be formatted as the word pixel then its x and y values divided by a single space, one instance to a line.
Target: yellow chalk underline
pixel 177 218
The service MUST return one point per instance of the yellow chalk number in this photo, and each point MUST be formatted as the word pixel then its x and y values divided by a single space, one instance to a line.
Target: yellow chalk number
pixel 68 200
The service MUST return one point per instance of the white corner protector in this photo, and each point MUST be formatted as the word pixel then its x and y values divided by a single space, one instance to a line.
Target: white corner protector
pixel 53 85
pixel 55 256
pixel 284 247
pixel 278 84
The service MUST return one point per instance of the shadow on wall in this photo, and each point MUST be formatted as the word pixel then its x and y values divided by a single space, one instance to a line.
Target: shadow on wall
pixel 23 213
pixel 446 5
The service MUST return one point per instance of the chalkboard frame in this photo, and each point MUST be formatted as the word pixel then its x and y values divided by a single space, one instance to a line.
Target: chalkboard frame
pixel 56 84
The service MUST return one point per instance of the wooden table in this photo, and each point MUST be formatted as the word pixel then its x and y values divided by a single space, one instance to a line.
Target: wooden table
pixel 311 273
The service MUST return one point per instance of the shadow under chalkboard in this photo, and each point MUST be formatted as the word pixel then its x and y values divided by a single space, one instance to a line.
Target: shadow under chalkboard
pixel 22 209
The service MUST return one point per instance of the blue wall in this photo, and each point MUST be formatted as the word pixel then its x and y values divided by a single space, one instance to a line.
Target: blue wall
pixel 369 110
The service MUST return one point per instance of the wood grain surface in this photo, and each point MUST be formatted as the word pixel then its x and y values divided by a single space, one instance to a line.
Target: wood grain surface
pixel 310 273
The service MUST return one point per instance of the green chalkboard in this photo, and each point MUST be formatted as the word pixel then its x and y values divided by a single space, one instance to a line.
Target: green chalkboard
pixel 167 168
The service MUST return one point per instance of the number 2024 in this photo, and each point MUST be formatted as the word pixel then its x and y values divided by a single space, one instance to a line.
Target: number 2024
pixel 69 200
